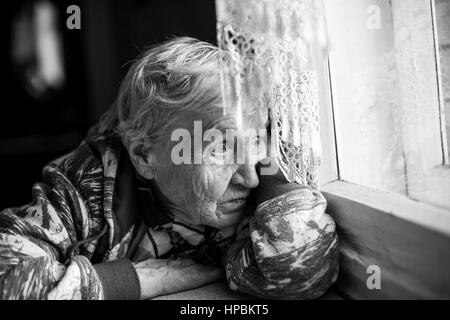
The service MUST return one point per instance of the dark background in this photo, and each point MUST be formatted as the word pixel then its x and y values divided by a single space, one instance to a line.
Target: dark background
pixel 33 131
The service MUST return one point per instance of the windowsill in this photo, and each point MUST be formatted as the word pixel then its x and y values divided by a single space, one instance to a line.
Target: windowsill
pixel 408 240
pixel 436 218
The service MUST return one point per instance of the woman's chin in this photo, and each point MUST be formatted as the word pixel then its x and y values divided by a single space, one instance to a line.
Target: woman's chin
pixel 221 219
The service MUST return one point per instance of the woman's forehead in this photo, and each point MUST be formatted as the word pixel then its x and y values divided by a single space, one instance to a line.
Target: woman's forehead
pixel 215 119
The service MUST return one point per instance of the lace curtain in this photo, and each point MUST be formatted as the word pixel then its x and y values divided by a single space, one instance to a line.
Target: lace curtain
pixel 269 51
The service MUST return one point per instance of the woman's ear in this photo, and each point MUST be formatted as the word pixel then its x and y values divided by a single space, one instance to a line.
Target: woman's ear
pixel 143 158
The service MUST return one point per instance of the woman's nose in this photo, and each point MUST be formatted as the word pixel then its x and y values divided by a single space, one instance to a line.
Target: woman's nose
pixel 246 176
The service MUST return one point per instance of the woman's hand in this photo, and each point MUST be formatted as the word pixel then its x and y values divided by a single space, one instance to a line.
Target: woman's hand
pixel 166 276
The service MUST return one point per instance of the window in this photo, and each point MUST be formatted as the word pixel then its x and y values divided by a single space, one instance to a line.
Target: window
pixel 387 93
pixel 384 123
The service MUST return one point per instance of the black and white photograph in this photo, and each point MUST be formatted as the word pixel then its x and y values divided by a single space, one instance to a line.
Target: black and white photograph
pixel 225 154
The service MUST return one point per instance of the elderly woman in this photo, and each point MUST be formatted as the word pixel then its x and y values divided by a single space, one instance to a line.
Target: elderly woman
pixel 121 217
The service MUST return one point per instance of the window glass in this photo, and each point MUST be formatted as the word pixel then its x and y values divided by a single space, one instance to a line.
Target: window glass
pixel 385 95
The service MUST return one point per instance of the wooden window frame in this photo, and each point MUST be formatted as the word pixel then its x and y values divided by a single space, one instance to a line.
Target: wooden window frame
pixel 408 240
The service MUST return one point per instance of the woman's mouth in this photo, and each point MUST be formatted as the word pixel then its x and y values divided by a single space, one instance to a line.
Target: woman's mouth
pixel 233 205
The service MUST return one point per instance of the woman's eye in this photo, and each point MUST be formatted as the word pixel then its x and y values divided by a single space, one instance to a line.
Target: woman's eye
pixel 220 148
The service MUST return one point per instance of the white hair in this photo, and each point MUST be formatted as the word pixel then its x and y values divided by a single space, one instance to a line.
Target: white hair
pixel 178 75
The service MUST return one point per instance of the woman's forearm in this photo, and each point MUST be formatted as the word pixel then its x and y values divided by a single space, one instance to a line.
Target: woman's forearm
pixel 166 276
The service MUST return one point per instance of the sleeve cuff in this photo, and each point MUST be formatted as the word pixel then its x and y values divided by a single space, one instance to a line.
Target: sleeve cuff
pixel 119 280
pixel 272 186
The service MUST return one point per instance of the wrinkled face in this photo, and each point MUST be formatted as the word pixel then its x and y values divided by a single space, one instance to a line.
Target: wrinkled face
pixel 207 173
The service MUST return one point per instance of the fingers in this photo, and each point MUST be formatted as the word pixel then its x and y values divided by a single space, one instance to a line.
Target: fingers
pixel 267 167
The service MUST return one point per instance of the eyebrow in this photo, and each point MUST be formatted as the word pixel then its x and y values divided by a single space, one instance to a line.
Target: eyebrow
pixel 220 124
